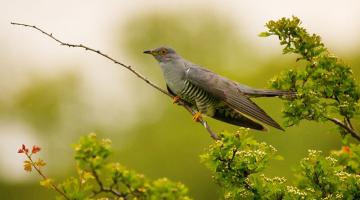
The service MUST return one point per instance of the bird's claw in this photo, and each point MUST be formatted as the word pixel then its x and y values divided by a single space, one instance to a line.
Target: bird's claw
pixel 176 99
pixel 197 116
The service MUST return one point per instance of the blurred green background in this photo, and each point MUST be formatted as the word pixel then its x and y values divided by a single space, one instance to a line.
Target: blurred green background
pixel 52 95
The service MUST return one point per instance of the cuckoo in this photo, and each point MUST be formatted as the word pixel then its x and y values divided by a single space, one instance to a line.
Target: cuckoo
pixel 213 95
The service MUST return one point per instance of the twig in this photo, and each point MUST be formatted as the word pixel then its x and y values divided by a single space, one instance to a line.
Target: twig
pixel 182 103
pixel 45 178
pixel 103 188
pixel 338 122
pixel 348 122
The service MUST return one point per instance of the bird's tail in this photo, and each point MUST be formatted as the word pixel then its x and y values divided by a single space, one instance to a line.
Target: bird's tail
pixel 252 92
pixel 271 93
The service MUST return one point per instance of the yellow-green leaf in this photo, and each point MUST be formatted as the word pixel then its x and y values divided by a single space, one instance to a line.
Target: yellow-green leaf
pixel 40 163
pixel 27 166
pixel 46 183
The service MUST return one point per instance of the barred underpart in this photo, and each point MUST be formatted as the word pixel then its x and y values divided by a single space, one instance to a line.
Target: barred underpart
pixel 198 97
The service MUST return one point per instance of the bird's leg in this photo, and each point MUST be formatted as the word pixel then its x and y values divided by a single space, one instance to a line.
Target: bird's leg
pixel 197 116
pixel 176 99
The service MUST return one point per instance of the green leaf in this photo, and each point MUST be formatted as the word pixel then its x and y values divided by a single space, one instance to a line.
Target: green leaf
pixel 264 34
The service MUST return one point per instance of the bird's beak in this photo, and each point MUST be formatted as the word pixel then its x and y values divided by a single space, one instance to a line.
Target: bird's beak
pixel 148 52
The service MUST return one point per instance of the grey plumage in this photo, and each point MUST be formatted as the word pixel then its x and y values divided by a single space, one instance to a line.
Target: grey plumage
pixel 212 94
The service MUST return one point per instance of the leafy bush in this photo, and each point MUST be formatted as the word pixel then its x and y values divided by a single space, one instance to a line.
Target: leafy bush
pixel 237 162
pixel 325 87
pixel 97 178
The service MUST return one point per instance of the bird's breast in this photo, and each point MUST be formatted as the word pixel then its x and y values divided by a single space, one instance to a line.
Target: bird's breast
pixel 174 78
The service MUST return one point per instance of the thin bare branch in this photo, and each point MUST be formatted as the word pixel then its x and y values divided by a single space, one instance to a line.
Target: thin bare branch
pixel 44 177
pixel 142 77
pixel 349 129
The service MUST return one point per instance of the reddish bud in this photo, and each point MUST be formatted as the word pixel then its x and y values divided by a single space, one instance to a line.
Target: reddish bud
pixel 35 149
pixel 23 149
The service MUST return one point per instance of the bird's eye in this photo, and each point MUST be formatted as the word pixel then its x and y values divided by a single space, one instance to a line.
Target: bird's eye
pixel 163 52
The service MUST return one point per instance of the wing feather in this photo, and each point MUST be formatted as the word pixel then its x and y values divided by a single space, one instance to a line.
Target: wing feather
pixel 229 92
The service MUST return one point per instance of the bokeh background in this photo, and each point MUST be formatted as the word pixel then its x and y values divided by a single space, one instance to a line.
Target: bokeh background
pixel 51 95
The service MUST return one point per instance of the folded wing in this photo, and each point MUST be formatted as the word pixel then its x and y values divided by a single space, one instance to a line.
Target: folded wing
pixel 229 92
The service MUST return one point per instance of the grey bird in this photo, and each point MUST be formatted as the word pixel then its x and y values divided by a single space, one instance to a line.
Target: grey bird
pixel 212 94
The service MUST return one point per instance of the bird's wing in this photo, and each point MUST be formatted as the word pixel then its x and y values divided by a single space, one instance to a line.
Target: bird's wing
pixel 229 92
pixel 229 115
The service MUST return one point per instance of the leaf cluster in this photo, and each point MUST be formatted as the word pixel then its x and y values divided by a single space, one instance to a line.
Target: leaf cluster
pixel 325 86
pixel 330 177
pixel 237 162
pixel 100 179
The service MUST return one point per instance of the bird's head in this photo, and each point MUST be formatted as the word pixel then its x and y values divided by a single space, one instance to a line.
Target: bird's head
pixel 163 54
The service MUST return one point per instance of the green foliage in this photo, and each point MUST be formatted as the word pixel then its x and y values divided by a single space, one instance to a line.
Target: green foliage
pixel 325 87
pixel 75 188
pixel 237 162
pixel 235 157
pixel 165 189
pixel 326 177
pixel 92 153
pixel 117 182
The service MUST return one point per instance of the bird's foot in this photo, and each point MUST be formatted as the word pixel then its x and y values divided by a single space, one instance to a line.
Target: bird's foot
pixel 176 99
pixel 197 116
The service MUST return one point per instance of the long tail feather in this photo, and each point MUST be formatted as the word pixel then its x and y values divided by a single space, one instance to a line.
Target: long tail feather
pixel 252 92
